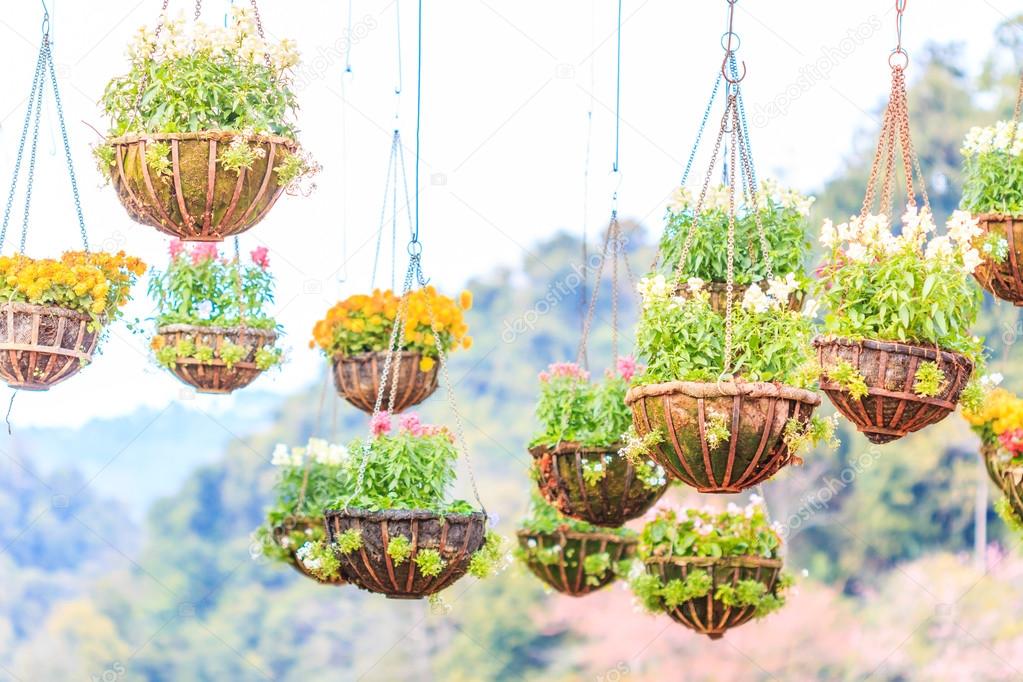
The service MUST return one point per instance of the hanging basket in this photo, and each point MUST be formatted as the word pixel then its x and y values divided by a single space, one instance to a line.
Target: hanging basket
pixel 1005 279
pixel 891 409
pixel 455 536
pixel 566 571
pixel 618 497
pixel 707 615
pixel 198 199
pixel 43 345
pixel 1008 481
pixel 357 379
pixel 754 415
pixel 281 537
pixel 989 453
pixel 718 292
pixel 214 376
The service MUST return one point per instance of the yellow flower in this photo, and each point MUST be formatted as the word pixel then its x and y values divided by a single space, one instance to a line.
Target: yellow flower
pixel 465 300
pixel 467 342
pixel 426 364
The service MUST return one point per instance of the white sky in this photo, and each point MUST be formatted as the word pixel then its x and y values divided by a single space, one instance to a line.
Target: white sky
pixel 507 86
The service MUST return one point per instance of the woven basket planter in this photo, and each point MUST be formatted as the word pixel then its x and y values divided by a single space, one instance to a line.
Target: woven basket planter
pixel 199 200
pixel 1004 280
pixel 455 536
pixel 357 379
pixel 718 292
pixel 43 345
pixel 891 409
pixel 989 453
pixel 215 376
pixel 1010 483
pixel 618 497
pixel 280 535
pixel 568 575
pixel 755 415
pixel 707 615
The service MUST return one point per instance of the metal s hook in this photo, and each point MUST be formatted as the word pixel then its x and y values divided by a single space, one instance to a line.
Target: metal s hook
pixel 729 50
pixel 46 18
pixel 899 51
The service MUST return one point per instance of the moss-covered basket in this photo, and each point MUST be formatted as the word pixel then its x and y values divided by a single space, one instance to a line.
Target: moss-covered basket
pixel 357 379
pixel 456 537
pixel 215 376
pixel 281 535
pixel 197 199
pixel 1005 279
pixel 891 409
pixel 619 496
pixel 707 615
pixel 689 414
pixel 559 558
pixel 40 346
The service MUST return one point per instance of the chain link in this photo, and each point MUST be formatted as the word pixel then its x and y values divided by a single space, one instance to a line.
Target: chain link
pixel 36 85
pixel 136 108
pixel 383 212
pixel 1019 101
pixel 259 30
pixel 591 310
pixel 730 271
pixel 67 147
pixel 198 9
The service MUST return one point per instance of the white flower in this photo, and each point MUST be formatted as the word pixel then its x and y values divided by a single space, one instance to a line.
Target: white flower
pixel 755 499
pixel 705 530
pixel 939 249
pixel 733 508
pixel 755 299
pixel 281 456
pixel 848 232
pixel 971 260
pixel 652 288
pixel 828 235
pixel 204 310
pixel 963 228
pixel 857 253
pixel 779 289
pixel 991 380
pixel 811 307
pixel 694 284
pixel 680 200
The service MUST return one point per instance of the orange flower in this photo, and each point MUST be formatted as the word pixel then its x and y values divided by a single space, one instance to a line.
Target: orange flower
pixel 465 300
pixel 426 364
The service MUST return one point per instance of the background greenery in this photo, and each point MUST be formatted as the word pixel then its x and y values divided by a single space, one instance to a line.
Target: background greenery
pixel 902 584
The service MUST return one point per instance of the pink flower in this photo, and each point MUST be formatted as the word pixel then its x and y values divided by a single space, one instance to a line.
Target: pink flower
pixel 564 369
pixel 204 252
pixel 260 256
pixel 380 423
pixel 410 422
pixel 627 367
pixel 175 248
pixel 1012 440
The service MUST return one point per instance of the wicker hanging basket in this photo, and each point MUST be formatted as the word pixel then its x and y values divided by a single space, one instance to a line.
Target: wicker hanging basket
pixel 455 536
pixel 1005 279
pixel 1008 481
pixel 755 415
pixel 567 575
pixel 43 345
pixel 198 200
pixel 718 292
pixel 357 379
pixel 989 453
pixel 618 497
pixel 891 409
pixel 707 615
pixel 281 537
pixel 214 376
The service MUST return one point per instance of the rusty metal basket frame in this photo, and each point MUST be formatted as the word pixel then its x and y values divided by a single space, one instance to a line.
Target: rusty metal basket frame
pixel 47 364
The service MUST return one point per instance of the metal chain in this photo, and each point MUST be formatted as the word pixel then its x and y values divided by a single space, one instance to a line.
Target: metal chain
pixel 698 209
pixel 730 273
pixel 588 321
pixel 67 146
pixel 36 86
pixel 700 130
pixel 616 245
pixel 198 9
pixel 383 212
pixel 450 391
pixel 754 192
pixel 1019 101
pixel 30 174
pixel 136 106
pixel 259 30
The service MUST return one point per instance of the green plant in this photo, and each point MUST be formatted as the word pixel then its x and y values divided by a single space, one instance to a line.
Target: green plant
pixel 801 437
pixel 993 170
pixel 399 549
pixel 573 409
pixel 929 379
pixel 877 285
pixel 783 214
pixel 158 158
pixel 349 541
pixel 545 519
pixel 1009 516
pixel 210 79
pixel 596 566
pixel 240 155
pixel 717 430
pixel 735 532
pixel 430 562
pixel 488 559
pixel 683 339
pixel 320 559
pixel 849 378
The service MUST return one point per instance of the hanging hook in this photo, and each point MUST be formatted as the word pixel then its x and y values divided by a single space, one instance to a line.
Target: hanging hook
pixel 729 50
pixel 899 51
pixel 46 18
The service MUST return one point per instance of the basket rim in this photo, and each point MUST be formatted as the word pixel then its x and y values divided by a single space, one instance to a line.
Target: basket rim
pixel 721 389
pixel 298 520
pixel 253 331
pixel 746 561
pixel 901 347
pixel 366 355
pixel 131 138
pixel 567 447
pixel 522 533
pixel 402 515
pixel 998 216
pixel 60 311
